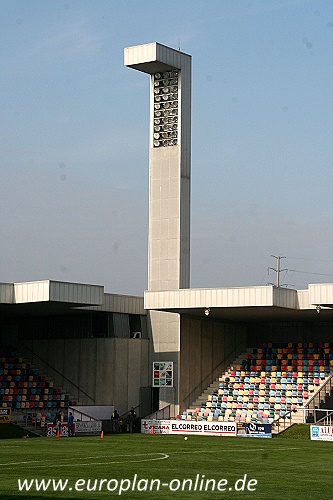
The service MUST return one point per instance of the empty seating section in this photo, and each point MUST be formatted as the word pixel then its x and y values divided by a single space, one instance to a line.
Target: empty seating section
pixel 272 380
pixel 39 418
pixel 22 386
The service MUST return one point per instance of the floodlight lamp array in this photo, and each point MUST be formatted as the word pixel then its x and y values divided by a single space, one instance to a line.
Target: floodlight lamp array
pixel 165 88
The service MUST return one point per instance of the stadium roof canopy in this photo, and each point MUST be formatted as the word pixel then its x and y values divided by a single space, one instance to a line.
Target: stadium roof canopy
pixel 58 297
pixel 258 303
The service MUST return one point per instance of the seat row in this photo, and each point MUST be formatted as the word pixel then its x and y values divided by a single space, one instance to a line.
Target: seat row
pixel 40 418
pixel 305 365
pixel 268 384
pixel 288 345
pixel 22 386
pixel 292 354
pixel 35 404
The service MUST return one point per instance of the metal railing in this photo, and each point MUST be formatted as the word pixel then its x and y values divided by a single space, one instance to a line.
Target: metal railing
pixel 320 395
pixel 327 419
pixel 311 411
pixel 314 415
pixel 31 419
pixel 162 414
pixel 215 372
pixel 137 411
pixel 283 422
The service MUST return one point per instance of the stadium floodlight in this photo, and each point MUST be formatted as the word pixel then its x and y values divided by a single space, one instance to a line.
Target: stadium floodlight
pixel 170 75
pixel 165 98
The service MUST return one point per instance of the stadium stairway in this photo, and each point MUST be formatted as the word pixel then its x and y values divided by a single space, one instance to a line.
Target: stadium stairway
pixel 19 422
pixel 269 384
pixel 215 384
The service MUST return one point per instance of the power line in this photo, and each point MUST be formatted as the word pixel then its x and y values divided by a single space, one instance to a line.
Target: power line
pixel 310 260
pixel 277 270
pixel 308 272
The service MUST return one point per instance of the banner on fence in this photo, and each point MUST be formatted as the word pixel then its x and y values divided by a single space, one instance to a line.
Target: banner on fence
pixel 88 427
pixel 189 427
pixel 5 414
pixel 160 426
pixel 51 430
pixel 85 427
pixel 254 429
pixel 321 432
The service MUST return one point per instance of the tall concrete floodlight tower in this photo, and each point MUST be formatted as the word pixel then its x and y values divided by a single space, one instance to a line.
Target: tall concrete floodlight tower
pixel 169 191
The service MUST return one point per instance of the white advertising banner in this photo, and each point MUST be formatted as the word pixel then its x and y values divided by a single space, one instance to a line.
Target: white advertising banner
pixel 51 430
pixel 86 427
pixel 199 428
pixel 160 426
pixel 89 427
pixel 321 432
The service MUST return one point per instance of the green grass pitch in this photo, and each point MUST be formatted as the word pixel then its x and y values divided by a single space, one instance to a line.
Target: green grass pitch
pixel 284 468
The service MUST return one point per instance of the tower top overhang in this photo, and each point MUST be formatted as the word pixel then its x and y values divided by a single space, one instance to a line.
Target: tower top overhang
pixel 154 57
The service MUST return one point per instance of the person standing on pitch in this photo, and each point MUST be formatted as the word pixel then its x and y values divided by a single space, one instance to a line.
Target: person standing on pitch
pixel 70 425
pixel 115 421
pixel 130 420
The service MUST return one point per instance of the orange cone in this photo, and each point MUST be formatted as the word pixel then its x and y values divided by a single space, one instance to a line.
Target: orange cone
pixel 152 430
pixel 58 433
pixel 102 434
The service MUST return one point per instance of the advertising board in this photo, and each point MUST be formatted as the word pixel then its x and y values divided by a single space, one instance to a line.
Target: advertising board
pixel 255 429
pixel 199 428
pixel 321 433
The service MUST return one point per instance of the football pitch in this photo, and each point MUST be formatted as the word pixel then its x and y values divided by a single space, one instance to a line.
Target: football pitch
pixel 140 466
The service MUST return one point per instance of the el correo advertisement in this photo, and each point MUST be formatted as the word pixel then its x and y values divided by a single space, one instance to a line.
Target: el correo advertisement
pixel 189 427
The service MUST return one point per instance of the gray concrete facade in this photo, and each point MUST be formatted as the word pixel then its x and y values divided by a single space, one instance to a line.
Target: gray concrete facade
pixel 93 371
pixel 207 349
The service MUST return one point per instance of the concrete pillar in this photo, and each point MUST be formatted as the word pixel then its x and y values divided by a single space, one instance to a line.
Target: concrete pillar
pixel 169 191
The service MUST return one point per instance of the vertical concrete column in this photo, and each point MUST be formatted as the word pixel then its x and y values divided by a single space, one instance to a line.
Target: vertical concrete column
pixel 169 190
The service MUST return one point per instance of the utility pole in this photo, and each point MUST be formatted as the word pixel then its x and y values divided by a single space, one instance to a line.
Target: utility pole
pixel 277 270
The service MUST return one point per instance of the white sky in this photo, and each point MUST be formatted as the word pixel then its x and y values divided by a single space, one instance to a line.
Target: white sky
pixel 74 139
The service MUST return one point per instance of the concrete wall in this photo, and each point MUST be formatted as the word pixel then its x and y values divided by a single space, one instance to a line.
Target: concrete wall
pixel 106 371
pixel 293 331
pixel 165 346
pixel 206 349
